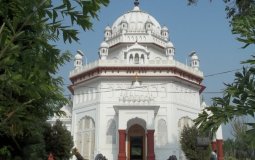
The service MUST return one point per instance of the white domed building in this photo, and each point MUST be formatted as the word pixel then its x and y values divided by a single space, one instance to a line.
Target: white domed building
pixel 133 101
pixel 65 119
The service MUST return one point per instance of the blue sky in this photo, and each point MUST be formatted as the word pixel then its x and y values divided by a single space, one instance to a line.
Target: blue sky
pixel 202 28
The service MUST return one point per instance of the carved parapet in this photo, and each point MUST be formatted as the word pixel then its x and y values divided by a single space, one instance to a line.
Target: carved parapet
pixel 137 99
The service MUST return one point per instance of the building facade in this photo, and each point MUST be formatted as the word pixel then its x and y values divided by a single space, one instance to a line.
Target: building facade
pixel 65 119
pixel 134 100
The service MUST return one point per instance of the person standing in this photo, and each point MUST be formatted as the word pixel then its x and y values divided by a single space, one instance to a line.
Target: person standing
pixel 213 155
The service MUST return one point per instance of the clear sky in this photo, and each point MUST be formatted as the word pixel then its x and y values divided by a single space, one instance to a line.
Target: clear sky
pixel 202 28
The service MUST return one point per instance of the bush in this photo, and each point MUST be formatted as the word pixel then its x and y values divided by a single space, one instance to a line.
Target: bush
pixel 189 146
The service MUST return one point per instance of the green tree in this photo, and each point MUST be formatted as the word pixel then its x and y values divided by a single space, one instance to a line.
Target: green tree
pixel 189 146
pixel 238 100
pixel 30 91
pixel 58 141
pixel 242 141
pixel 238 97
pixel 241 146
pixel 229 148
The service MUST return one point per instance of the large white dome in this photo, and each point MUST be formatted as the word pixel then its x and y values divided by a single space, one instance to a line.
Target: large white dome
pixel 136 20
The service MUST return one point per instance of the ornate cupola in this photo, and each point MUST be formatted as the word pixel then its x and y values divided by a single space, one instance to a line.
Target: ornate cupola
pixel 164 32
pixel 170 51
pixel 103 50
pixel 107 33
pixel 124 25
pixel 148 25
pixel 194 60
pixel 78 59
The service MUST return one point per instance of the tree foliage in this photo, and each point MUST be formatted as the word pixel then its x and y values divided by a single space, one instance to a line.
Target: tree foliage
pixel 189 146
pixel 241 14
pixel 30 91
pixel 238 100
pixel 229 149
pixel 58 141
pixel 241 147
pixel 238 97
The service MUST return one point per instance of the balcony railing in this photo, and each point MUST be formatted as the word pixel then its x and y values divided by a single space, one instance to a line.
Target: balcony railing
pixel 125 63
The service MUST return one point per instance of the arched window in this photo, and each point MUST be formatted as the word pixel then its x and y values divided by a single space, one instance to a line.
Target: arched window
pixel 136 58
pixel 162 132
pixel 142 59
pixel 131 58
pixel 184 121
pixel 85 140
pixel 111 132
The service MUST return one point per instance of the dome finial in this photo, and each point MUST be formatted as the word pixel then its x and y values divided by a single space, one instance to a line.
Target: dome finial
pixel 136 3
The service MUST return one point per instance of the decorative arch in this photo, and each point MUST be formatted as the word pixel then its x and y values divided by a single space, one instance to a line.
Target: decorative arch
pixel 136 138
pixel 142 59
pixel 138 121
pixel 162 132
pixel 131 58
pixel 136 60
pixel 136 51
pixel 111 132
pixel 85 137
pixel 184 121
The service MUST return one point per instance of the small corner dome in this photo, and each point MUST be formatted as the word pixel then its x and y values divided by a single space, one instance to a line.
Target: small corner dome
pixel 104 45
pixel 124 20
pixel 164 28
pixel 78 56
pixel 108 28
pixel 194 57
pixel 148 20
pixel 169 45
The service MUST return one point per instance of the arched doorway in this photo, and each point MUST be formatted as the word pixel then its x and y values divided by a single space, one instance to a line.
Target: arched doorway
pixel 136 143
